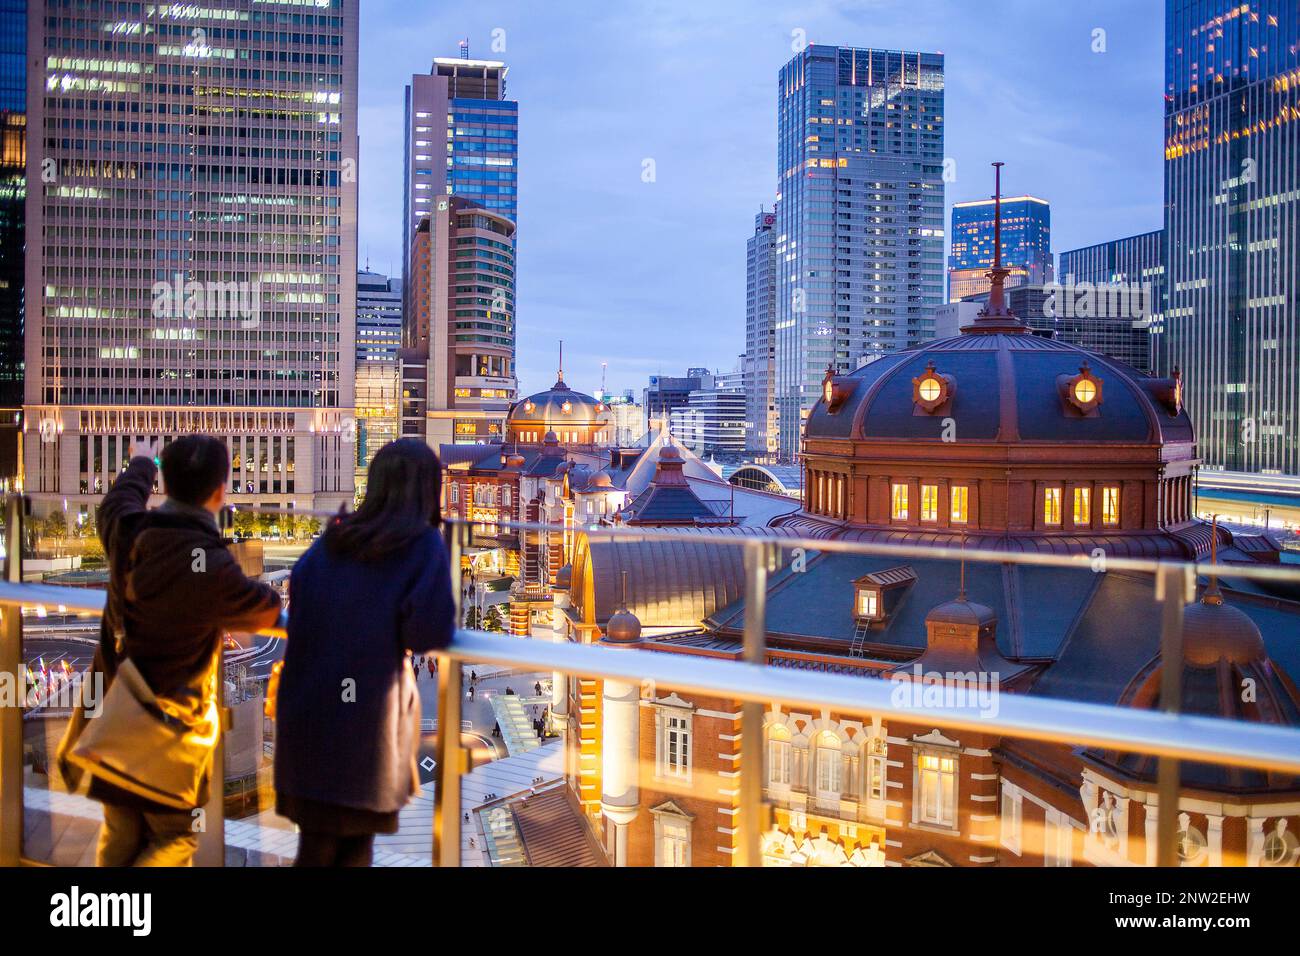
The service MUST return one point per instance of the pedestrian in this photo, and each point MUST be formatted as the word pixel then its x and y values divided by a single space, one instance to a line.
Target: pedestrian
pixel 471 691
pixel 473 677
pixel 390 550
pixel 432 664
pixel 538 688
pixel 173 591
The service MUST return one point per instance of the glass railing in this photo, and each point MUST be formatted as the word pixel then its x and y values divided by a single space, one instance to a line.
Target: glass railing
pixel 779 701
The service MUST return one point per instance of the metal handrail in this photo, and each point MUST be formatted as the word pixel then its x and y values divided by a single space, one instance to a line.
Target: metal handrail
pixel 1169 736
pixel 1204 739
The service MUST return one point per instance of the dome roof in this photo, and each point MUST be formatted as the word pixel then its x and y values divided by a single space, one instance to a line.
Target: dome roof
pixel 963 612
pixel 1214 631
pixel 623 627
pixel 1001 384
pixel 560 405
pixel 564 578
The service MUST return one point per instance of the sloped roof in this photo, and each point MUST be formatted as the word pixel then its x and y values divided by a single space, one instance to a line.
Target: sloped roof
pixel 554 832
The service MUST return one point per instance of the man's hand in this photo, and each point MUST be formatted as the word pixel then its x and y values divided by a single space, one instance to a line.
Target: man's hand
pixel 150 450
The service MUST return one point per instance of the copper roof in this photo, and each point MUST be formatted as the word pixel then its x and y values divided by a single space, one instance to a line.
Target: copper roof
pixel 554 832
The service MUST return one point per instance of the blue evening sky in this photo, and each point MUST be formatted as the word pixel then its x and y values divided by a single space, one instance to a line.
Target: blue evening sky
pixel 650 277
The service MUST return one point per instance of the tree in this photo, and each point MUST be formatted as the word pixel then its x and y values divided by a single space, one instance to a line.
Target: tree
pixel 493 621
pixel 472 618
pixel 245 524
pixel 304 526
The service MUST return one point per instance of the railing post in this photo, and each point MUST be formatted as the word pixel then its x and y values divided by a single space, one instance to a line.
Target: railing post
pixel 1172 582
pixel 751 820
pixel 450 755
pixel 11 718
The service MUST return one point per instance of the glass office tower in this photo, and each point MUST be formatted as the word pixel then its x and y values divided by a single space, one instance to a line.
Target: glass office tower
pixel 1026 244
pixel 462 139
pixel 1232 217
pixel 760 350
pixel 860 249
pixel 13 197
pixel 191 264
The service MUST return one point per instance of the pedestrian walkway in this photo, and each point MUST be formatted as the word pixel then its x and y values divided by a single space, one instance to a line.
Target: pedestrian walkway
pixel 516 726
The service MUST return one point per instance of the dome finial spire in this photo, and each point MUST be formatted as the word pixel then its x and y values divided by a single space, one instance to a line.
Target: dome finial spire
pixel 561 375
pixel 961 589
pixel 1212 593
pixel 995 316
pixel 997 275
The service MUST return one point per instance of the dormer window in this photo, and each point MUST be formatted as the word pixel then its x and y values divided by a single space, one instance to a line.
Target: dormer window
pixel 835 389
pixel 931 390
pixel 566 407
pixel 868 603
pixel 876 594
pixel 1083 391
pixel 528 407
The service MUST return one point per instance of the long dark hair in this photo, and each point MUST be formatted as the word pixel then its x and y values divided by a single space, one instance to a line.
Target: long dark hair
pixel 403 492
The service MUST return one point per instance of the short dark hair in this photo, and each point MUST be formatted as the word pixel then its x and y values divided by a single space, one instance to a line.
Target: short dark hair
pixel 193 467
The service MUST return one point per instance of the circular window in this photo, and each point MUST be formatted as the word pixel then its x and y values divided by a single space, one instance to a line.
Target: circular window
pixel 1085 390
pixel 567 407
pixel 930 389
pixel 1191 844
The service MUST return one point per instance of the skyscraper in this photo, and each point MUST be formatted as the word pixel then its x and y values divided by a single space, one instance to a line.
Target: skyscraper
pixel 13 198
pixel 378 372
pixel 1232 175
pixel 379 317
pixel 760 349
pixel 859 225
pixel 458 239
pixel 1134 264
pixel 192 253
pixel 462 139
pixel 469 290
pixel 1026 244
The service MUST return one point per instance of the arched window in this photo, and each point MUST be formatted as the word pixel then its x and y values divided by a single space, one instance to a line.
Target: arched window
pixel 829 767
pixel 780 756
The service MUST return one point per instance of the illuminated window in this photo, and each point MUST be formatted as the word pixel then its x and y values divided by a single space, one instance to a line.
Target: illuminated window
pixel 1011 818
pixel 959 503
pixel 672 840
pixel 675 746
pixel 830 766
pixel 930 389
pixel 898 507
pixel 1110 505
pixel 1085 391
pixel 868 603
pixel 779 752
pixel 937 789
pixel 929 502
pixel 876 778
pixel 1052 506
pixel 1082 506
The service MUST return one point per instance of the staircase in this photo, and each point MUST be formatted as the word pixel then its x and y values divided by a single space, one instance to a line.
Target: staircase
pixel 516 726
